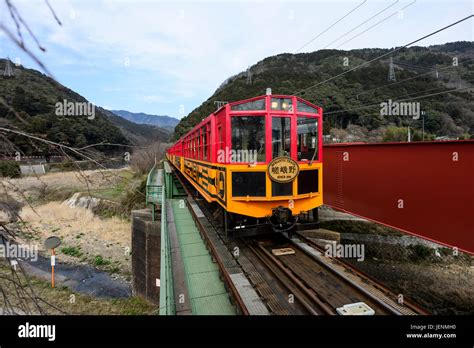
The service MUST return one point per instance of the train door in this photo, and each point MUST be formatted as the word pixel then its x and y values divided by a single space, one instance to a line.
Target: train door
pixel 220 184
pixel 221 158
pixel 281 136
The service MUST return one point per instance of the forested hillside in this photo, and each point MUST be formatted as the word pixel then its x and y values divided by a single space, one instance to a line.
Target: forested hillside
pixel 27 104
pixel 419 71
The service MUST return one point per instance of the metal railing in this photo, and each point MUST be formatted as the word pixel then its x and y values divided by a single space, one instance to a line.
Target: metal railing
pixel 154 189
pixel 167 305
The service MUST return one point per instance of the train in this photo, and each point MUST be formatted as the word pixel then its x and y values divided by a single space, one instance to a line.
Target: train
pixel 258 162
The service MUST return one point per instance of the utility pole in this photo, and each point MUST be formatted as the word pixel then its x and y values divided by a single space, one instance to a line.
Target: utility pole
pixel 391 71
pixel 249 76
pixel 8 72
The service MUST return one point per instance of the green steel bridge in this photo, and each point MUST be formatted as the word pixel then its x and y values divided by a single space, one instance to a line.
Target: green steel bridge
pixel 189 278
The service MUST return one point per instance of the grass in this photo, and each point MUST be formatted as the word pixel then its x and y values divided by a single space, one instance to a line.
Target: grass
pixel 114 193
pixel 100 261
pixel 72 251
pixel 420 253
pixel 57 194
pixel 114 269
pixel 128 197
pixel 132 306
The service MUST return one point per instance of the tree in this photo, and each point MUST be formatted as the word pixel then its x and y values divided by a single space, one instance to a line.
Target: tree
pixel 338 135
pixel 396 134
pixel 80 141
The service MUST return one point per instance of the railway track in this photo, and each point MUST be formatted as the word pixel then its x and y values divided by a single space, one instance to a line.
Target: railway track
pixel 360 280
pixel 304 282
pixel 326 284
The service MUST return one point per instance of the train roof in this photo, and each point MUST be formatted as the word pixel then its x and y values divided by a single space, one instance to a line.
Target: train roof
pixel 247 101
pixel 244 101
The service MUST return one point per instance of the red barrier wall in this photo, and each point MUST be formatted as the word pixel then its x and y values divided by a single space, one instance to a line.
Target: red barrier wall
pixel 422 188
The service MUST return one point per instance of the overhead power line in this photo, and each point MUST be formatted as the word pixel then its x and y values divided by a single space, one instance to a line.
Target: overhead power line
pixel 385 54
pixel 332 25
pixel 413 66
pixel 401 100
pixel 405 80
pixel 376 24
pixel 361 24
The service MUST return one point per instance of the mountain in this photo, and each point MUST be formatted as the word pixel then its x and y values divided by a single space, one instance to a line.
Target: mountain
pixel 344 99
pixel 138 134
pixel 142 118
pixel 28 104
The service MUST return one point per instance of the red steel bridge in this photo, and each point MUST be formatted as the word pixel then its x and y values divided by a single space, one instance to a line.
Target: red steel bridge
pixel 422 188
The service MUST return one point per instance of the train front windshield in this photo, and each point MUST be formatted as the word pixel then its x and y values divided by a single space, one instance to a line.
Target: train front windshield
pixel 307 136
pixel 280 127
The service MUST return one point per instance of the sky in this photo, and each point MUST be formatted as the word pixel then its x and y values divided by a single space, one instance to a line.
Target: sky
pixel 167 57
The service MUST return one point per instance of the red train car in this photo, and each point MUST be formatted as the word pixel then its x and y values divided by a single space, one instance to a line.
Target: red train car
pixel 259 160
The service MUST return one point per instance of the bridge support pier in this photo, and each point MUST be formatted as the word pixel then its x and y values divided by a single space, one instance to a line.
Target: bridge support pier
pixel 146 255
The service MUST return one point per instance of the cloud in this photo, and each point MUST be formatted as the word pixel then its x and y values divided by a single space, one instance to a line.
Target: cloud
pixel 160 52
pixel 154 99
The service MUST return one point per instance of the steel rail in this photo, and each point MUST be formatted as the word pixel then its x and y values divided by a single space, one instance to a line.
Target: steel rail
pixel 275 270
pixel 350 282
pixel 311 293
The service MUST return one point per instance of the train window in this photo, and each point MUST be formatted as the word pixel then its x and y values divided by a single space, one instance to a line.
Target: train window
pixel 220 145
pixel 248 184
pixel 281 136
pixel 208 140
pixel 199 144
pixel 285 104
pixel 303 107
pixel 253 105
pixel 196 142
pixel 204 141
pixel 203 132
pixel 248 138
pixel 220 142
pixel 307 139
pixel 308 181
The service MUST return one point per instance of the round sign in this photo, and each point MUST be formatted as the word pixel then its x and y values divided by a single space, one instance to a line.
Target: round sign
pixel 283 170
pixel 52 242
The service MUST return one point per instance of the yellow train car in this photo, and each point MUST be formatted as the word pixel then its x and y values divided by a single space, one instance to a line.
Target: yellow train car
pixel 260 161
